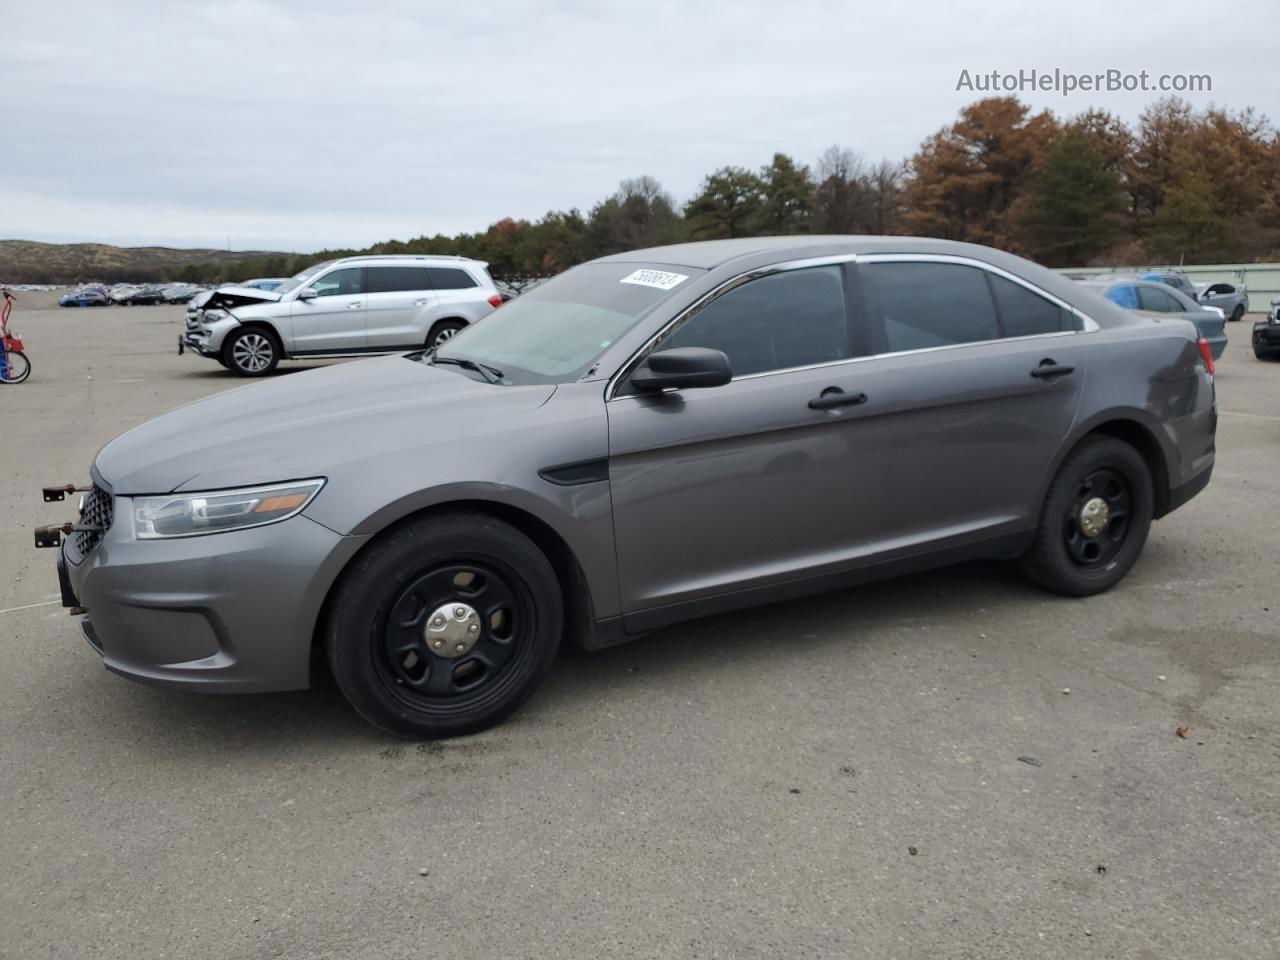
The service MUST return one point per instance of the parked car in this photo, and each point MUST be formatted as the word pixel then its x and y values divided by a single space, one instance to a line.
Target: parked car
pixel 342 308
pixel 649 437
pixel 121 292
pixel 1172 278
pixel 1230 299
pixel 84 298
pixel 1155 297
pixel 179 292
pixel 264 283
pixel 1266 335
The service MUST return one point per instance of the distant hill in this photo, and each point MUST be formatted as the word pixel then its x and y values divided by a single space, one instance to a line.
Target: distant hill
pixel 25 261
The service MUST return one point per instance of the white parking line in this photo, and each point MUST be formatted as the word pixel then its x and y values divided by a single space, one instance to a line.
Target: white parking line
pixel 30 606
pixel 1251 416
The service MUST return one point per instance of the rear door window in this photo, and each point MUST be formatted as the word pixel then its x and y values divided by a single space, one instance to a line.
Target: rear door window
pixel 396 279
pixel 1153 298
pixel 923 304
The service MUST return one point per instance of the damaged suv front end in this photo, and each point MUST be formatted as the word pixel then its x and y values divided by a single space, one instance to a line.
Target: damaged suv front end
pixel 208 324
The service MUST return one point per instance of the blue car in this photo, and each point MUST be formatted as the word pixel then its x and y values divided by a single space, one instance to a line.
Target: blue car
pixel 84 298
pixel 1157 297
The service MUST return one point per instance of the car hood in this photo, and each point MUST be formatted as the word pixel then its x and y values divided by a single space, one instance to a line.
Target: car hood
pixel 303 425
pixel 228 297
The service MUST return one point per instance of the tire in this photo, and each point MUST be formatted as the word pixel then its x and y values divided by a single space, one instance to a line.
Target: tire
pixel 381 628
pixel 443 331
pixel 16 367
pixel 1238 313
pixel 1063 557
pixel 1262 354
pixel 251 352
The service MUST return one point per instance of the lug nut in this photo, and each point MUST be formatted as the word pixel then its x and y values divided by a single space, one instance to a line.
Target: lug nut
pixel 461 647
pixel 438 644
pixel 459 612
pixel 438 621
pixel 474 628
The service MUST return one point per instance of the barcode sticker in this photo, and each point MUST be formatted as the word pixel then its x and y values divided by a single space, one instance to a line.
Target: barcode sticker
pixel 655 278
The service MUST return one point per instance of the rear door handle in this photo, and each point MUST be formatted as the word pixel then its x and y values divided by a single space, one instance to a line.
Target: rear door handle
pixel 1048 369
pixel 354 306
pixel 833 398
pixel 421 303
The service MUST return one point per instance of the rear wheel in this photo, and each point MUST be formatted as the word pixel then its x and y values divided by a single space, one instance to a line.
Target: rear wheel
pixel 444 626
pixel 444 331
pixel 251 352
pixel 1238 312
pixel 14 366
pixel 1095 520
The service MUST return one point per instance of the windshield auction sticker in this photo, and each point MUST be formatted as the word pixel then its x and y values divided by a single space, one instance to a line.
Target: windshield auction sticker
pixel 655 278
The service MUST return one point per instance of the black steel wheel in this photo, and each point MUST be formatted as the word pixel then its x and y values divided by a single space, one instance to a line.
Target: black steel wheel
pixel 1095 519
pixel 444 625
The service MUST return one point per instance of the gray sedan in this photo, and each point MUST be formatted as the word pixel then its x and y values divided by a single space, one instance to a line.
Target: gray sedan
pixel 1155 298
pixel 650 437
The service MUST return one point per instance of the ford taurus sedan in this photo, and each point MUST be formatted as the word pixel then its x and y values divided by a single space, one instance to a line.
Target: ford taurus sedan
pixel 647 438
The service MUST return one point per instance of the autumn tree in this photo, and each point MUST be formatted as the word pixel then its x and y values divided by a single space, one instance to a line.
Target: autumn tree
pixel 638 214
pixel 966 181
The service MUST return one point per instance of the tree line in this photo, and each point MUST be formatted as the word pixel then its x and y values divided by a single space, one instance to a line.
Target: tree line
pixel 1182 185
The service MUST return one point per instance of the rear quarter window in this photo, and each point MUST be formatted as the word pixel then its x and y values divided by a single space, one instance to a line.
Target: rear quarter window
pixel 450 278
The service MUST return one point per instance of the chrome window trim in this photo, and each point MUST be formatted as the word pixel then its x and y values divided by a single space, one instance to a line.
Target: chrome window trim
pixel 1088 324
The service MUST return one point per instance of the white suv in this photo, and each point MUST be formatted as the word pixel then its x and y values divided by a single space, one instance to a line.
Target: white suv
pixel 347 307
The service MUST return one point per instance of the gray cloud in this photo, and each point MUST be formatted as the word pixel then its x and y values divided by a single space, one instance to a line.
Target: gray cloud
pixel 298 126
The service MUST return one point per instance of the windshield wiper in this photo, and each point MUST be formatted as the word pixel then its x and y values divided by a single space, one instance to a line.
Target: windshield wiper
pixel 490 374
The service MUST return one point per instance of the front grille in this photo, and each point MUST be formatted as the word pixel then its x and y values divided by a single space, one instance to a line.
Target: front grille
pixel 97 512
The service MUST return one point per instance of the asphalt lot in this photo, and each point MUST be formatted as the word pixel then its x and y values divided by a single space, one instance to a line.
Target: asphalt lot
pixel 832 777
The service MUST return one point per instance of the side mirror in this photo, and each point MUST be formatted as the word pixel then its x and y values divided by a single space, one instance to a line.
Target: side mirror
pixel 682 368
pixel 308 294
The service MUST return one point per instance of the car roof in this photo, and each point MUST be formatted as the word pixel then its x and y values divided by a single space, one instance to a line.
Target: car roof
pixel 404 258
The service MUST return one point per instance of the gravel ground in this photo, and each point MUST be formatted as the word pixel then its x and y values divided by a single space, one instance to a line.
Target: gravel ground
pixel 895 771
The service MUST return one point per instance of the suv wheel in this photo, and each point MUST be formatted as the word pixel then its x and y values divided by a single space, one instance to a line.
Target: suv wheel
pixel 444 626
pixel 251 352
pixel 444 331
pixel 1238 312
pixel 1095 520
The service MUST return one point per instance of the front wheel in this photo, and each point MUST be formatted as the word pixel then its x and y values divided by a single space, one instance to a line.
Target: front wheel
pixel 14 366
pixel 1095 520
pixel 251 352
pixel 444 626
pixel 444 331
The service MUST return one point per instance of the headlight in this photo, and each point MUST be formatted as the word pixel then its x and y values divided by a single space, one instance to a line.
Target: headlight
pixel 212 316
pixel 195 514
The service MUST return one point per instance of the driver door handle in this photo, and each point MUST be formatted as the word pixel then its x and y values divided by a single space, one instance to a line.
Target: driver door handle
pixel 355 306
pixel 833 398
pixel 1049 368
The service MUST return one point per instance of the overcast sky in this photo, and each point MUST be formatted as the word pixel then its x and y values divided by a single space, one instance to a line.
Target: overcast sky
pixel 274 125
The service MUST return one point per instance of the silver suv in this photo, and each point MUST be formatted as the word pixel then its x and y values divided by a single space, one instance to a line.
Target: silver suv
pixel 340 308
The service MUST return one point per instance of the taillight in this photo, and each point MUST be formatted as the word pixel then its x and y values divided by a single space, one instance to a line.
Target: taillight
pixel 1205 355
pixel 495 301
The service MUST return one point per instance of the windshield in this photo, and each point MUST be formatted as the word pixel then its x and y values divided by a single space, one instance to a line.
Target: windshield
pixel 299 279
pixel 556 332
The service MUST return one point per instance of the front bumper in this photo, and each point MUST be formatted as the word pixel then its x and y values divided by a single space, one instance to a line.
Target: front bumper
pixel 1266 335
pixel 225 613
pixel 189 341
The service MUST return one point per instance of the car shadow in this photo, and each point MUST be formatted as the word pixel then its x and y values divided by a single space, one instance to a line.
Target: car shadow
pixel 284 725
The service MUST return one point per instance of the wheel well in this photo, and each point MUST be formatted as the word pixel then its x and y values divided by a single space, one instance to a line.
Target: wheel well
pixel 1141 439
pixel 579 613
